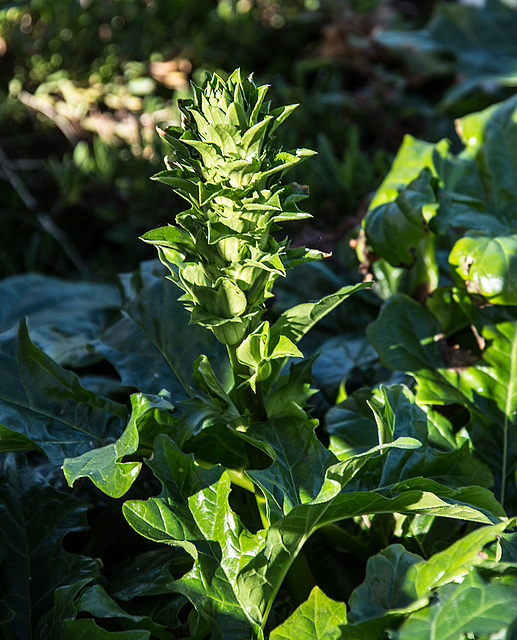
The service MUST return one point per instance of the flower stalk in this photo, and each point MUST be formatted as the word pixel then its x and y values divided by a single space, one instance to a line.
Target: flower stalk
pixel 222 251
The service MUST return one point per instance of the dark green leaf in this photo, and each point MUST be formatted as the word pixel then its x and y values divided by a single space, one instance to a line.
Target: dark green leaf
pixel 48 405
pixel 89 630
pixel 65 318
pixel 35 518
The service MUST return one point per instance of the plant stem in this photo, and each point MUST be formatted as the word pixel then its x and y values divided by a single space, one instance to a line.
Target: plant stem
pixel 243 395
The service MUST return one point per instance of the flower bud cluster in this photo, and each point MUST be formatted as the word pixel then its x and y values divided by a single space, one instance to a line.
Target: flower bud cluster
pixel 223 160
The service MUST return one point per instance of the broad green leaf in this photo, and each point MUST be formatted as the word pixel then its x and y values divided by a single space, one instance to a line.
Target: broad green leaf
pixel 193 512
pixel 487 388
pixel 472 607
pixel 385 587
pixel 455 561
pixel 399 582
pixel 48 404
pixel 300 462
pixel 395 229
pixel 319 618
pixel 236 574
pixel 411 345
pixel 65 318
pixel 412 157
pixel 291 391
pixel 104 466
pixel 353 429
pixel 35 519
pixel 488 265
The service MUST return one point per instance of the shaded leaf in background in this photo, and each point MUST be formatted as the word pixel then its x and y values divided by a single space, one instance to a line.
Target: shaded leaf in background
pixel 64 317
pixel 89 630
pixel 385 587
pixel 473 41
pixel 48 404
pixel 98 603
pixel 35 518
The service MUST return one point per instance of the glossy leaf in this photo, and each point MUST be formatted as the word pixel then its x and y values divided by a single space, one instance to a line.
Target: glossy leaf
pixel 486 388
pixel 488 265
pixel 395 229
pixel 474 607
pixel 104 466
pixel 319 618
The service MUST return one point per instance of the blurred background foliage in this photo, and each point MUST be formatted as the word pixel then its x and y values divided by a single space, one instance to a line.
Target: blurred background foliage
pixel 83 84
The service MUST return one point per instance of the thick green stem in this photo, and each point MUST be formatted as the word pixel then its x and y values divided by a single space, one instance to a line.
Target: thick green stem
pixel 243 395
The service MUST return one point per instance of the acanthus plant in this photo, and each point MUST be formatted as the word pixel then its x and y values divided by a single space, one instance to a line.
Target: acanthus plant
pixel 223 467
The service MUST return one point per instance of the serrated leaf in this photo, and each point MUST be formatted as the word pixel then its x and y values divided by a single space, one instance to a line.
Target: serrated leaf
pixel 104 466
pixel 402 417
pixel 319 618
pixel 487 388
pixel 193 512
pixel 48 404
pixel 300 462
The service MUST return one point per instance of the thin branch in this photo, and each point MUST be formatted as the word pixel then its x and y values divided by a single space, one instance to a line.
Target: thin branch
pixel 33 102
pixel 44 219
